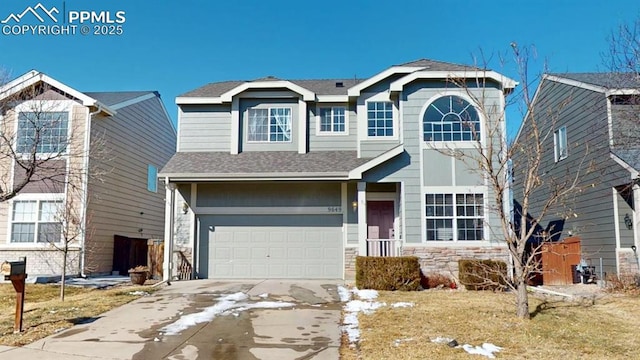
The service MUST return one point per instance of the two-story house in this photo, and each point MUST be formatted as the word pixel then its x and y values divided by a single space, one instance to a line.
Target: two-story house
pixel 589 122
pixel 282 178
pixel 94 189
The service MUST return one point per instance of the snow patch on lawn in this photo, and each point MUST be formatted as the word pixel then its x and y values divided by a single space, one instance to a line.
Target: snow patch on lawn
pixel 399 342
pixel 365 305
pixel 487 349
pixel 402 304
pixel 345 294
pixel 366 294
pixel 228 304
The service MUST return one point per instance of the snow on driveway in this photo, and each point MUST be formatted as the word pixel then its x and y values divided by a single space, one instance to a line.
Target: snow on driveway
pixel 227 304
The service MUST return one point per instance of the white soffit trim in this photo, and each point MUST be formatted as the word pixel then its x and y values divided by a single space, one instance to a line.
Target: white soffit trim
pixel 130 102
pixel 306 94
pixel 506 82
pixel 622 92
pixel 332 98
pixel 576 83
pixel 32 77
pixel 187 177
pixel 181 100
pixel 357 89
pixel 356 174
pixel 634 172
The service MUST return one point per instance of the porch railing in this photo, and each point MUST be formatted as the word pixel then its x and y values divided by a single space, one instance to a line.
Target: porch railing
pixel 184 269
pixel 383 247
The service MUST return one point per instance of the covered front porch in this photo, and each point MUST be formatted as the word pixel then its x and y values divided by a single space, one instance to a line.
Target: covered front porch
pixel 379 219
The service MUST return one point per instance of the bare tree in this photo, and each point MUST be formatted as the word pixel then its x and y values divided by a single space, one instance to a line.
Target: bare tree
pixel 491 157
pixel 43 150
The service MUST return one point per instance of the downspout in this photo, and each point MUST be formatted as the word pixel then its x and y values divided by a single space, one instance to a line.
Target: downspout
pixel 85 187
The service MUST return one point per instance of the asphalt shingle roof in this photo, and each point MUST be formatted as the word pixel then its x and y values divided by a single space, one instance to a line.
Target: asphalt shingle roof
pixel 322 86
pixel 434 65
pixel 212 164
pixel 115 97
pixel 318 86
pixel 607 80
pixel 630 156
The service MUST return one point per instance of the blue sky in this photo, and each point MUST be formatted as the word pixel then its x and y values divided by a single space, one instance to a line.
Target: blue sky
pixel 176 46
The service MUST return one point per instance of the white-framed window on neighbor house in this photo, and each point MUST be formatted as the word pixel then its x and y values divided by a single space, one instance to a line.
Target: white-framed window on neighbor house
pixel 332 120
pixel 380 119
pixel 36 221
pixel 451 118
pixel 454 217
pixel 44 132
pixel 560 143
pixel 152 178
pixel 269 125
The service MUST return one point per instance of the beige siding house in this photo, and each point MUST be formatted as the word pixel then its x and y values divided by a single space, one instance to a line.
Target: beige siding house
pixel 99 195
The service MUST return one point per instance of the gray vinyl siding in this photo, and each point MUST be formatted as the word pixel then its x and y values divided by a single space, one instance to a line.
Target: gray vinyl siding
pixel 406 167
pixel 246 104
pixel 589 212
pixel 626 235
pixel 120 204
pixel 333 141
pixel 467 172
pixel 290 194
pixel 205 128
pixel 436 160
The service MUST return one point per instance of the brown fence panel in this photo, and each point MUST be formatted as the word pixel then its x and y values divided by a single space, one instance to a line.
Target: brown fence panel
pixel 155 257
pixel 558 261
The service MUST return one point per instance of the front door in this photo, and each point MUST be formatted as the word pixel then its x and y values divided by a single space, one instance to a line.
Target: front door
pixel 379 228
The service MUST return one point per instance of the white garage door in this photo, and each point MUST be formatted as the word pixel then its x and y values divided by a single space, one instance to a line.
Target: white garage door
pixel 272 246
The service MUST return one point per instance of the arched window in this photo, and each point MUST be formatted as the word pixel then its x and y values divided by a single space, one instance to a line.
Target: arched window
pixel 451 118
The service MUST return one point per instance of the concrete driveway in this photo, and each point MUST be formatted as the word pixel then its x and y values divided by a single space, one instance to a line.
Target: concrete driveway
pixel 207 319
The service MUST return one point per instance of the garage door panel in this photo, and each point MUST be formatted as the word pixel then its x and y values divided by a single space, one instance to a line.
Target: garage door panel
pixel 273 246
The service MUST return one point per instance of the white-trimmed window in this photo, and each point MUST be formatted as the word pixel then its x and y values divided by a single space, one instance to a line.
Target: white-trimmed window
pixel 269 125
pixel 36 221
pixel 451 118
pixel 46 131
pixel 332 120
pixel 454 217
pixel 560 143
pixel 380 119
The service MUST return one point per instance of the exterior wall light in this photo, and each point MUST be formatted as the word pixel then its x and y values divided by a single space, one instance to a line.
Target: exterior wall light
pixel 628 222
pixel 185 207
pixel 354 205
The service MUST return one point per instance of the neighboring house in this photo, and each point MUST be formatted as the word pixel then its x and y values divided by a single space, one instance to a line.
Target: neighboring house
pixel 591 120
pixel 294 178
pixel 111 145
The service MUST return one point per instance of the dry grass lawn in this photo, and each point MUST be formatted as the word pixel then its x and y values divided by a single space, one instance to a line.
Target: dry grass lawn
pixel 608 329
pixel 45 314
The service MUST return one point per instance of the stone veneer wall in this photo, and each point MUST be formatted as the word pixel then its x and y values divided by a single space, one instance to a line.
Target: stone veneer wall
pixel 445 259
pixel 628 262
pixel 350 262
pixel 44 261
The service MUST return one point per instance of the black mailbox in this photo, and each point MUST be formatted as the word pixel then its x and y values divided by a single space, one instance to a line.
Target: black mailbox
pixel 12 268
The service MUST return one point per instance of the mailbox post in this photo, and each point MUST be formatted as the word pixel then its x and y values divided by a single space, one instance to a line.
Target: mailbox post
pixel 16 271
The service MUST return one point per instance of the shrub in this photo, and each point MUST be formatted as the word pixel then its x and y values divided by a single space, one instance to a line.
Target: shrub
pixel 626 283
pixel 388 273
pixel 482 274
pixel 437 280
